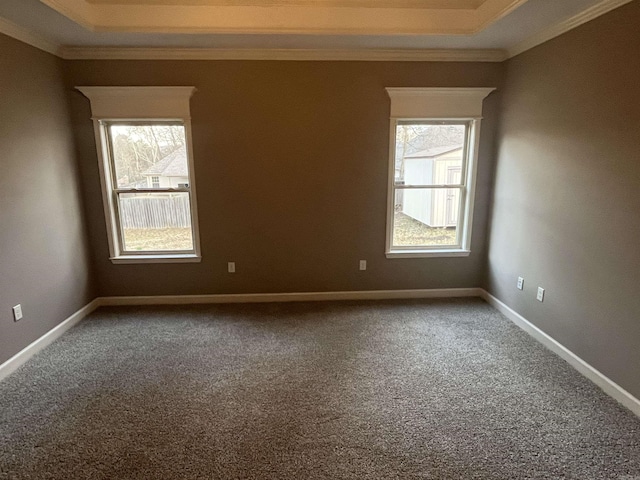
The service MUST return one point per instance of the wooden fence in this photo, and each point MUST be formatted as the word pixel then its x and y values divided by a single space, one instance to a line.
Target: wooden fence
pixel 171 211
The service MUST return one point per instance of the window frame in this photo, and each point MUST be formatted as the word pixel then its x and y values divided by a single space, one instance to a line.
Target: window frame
pixel 151 105
pixel 437 106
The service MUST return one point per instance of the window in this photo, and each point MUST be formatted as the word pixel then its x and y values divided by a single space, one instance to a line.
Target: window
pixel 433 152
pixel 143 140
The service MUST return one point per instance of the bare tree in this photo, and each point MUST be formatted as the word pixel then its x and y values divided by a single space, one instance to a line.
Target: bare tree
pixel 138 147
pixel 412 138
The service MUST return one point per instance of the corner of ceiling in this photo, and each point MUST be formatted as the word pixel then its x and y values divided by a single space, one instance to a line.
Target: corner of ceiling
pixel 29 37
pixel 564 26
pixel 78 11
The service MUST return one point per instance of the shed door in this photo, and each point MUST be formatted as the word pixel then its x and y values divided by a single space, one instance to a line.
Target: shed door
pixel 453 197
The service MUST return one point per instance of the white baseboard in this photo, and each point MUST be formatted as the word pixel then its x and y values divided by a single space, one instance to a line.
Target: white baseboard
pixel 605 383
pixel 292 297
pixel 26 353
pixel 56 332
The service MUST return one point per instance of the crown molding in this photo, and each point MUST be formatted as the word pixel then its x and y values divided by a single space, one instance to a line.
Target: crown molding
pixel 389 55
pixel 558 29
pixel 27 36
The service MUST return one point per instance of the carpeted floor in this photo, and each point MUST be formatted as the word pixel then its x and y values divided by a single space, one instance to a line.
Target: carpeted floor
pixel 441 389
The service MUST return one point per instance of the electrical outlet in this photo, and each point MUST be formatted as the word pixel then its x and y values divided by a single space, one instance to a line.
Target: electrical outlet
pixel 17 312
pixel 520 283
pixel 363 264
pixel 540 295
pixel 231 267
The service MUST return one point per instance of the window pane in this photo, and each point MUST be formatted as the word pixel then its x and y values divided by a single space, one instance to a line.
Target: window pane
pixel 155 221
pixel 426 217
pixel 149 156
pixel 429 154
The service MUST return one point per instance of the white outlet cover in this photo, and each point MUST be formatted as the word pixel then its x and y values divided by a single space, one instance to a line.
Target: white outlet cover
pixel 363 264
pixel 17 312
pixel 520 283
pixel 231 267
pixel 540 295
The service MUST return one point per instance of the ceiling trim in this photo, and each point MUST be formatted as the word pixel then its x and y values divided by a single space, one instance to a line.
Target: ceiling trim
pixel 27 36
pixel 558 29
pixel 380 55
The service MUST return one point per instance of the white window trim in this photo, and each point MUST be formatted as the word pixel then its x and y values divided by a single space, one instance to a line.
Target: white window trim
pixel 135 104
pixel 437 104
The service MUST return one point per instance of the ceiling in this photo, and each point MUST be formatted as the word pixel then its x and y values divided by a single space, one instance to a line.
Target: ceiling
pixel 481 30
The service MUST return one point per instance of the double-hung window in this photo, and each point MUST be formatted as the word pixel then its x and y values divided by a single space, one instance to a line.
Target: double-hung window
pixel 433 154
pixel 144 149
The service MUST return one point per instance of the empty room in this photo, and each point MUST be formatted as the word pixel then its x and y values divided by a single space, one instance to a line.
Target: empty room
pixel 320 239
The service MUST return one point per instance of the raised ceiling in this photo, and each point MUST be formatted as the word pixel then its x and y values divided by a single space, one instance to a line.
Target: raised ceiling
pixel 416 30
pixel 323 17
pixel 446 4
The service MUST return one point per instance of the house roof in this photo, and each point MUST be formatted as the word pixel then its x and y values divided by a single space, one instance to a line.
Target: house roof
pixel 172 165
pixel 434 152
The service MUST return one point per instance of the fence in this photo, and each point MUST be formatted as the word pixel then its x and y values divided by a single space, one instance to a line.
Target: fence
pixel 170 211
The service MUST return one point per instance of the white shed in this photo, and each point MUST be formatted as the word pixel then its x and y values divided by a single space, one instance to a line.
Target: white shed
pixel 435 207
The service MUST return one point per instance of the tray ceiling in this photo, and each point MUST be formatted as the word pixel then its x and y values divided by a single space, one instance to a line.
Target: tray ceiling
pixel 437 4
pixel 332 17
pixel 434 30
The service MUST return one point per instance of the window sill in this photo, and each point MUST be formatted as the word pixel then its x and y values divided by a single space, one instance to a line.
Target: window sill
pixel 427 253
pixel 182 258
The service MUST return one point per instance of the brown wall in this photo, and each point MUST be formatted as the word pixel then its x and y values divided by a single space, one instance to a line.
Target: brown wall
pixel 43 255
pixel 567 196
pixel 291 172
